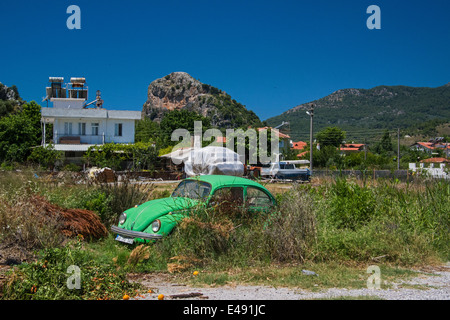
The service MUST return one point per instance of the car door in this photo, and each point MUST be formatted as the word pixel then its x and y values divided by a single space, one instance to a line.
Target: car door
pixel 257 200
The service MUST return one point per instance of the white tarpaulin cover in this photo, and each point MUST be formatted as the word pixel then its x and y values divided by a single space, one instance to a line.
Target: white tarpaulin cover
pixel 213 160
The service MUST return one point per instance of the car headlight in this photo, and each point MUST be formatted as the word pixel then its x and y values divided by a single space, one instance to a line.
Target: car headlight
pixel 156 225
pixel 122 218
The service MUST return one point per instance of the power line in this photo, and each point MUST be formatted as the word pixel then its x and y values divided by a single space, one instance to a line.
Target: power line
pixel 357 131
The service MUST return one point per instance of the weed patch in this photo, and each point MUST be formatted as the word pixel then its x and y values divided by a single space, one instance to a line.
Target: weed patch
pixel 48 278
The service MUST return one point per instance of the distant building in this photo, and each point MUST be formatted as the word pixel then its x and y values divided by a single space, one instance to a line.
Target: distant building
pixel 433 167
pixel 435 160
pixel 423 146
pixel 431 146
pixel 300 145
pixel 351 147
pixel 78 125
pixel 284 139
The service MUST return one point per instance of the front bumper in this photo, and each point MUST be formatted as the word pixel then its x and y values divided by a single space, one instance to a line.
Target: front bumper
pixel 135 234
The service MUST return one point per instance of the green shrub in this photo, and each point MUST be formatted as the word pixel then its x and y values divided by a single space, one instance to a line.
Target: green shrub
pixel 49 276
pixel 405 224
pixel 351 205
pixel 46 157
pixel 202 235
pixel 7 166
pixel 72 167
pixel 112 155
pixel 119 197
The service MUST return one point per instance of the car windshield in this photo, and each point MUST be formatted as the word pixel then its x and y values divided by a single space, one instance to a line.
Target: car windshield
pixel 192 189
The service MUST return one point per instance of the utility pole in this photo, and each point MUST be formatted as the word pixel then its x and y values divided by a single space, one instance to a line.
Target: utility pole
pixel 310 112
pixel 365 149
pixel 398 148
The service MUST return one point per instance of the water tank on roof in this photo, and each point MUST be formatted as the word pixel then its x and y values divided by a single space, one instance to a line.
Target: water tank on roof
pixel 56 79
pixel 56 90
pixel 78 82
pixel 77 88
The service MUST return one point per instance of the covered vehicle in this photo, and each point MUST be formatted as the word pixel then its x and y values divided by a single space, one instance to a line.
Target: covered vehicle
pixel 155 219
pixel 213 161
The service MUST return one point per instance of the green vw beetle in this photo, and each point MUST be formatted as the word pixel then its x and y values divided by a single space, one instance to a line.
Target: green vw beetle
pixel 157 218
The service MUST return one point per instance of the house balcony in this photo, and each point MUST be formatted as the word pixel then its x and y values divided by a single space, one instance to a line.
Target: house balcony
pixel 79 139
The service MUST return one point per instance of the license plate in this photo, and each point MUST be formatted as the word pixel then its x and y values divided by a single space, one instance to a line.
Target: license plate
pixel 125 240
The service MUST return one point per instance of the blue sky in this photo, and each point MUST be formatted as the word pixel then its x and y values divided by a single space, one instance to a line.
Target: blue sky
pixel 268 55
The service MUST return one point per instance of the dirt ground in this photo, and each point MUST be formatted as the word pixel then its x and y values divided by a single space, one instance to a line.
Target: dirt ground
pixel 431 283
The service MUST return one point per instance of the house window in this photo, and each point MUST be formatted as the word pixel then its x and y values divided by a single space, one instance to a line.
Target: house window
pixel 95 126
pixel 68 128
pixel 118 130
pixel 82 129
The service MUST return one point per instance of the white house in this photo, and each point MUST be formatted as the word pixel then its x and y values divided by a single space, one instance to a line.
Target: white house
pixel 78 126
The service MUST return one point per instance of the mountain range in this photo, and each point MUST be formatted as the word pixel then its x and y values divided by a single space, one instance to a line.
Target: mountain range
pixel 366 110
pixel 353 110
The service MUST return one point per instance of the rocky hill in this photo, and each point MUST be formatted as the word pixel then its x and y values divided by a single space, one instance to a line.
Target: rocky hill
pixel 382 107
pixel 9 99
pixel 179 90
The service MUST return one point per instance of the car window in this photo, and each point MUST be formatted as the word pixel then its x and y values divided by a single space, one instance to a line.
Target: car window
pixel 257 198
pixel 228 197
pixel 192 189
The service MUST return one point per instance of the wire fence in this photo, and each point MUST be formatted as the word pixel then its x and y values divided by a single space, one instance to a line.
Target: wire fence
pixel 402 175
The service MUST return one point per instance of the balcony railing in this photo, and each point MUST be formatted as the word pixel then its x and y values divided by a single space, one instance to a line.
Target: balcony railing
pixel 81 139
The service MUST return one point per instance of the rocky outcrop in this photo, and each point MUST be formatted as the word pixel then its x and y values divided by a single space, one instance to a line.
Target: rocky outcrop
pixel 179 90
pixel 8 93
pixel 10 100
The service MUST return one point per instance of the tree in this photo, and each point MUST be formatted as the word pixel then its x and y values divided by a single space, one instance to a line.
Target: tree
pixel 46 156
pixel 19 132
pixel 181 119
pixel 327 156
pixel 147 130
pixel 10 99
pixel 330 136
pixel 385 144
pixel 112 155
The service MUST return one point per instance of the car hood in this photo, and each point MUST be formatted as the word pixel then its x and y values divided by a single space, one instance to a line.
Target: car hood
pixel 140 217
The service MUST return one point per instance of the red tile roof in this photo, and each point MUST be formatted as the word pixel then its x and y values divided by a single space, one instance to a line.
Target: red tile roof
pixel 353 145
pixel 349 149
pixel 280 135
pixel 435 160
pixel 300 145
pixel 433 146
pixel 221 139
pixel 302 154
pixel 427 145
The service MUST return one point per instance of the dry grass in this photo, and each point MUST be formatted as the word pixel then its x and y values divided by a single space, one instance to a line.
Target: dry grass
pixel 290 231
pixel 29 223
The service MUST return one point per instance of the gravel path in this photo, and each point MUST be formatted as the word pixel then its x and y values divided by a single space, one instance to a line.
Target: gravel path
pixel 434 285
